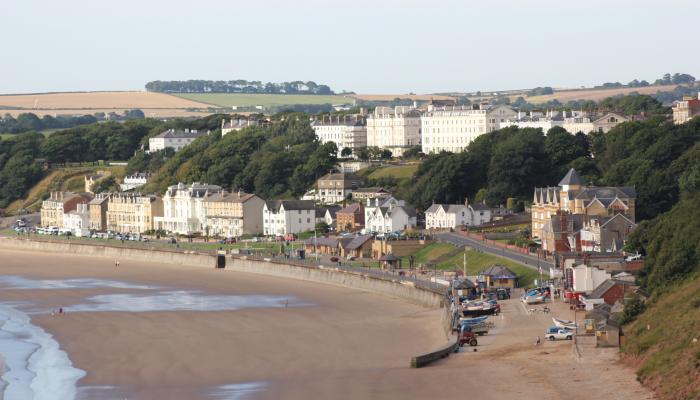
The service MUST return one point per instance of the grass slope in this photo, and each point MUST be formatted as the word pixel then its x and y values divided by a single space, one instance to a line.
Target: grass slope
pixel 265 100
pixel 71 178
pixel 476 261
pixel 662 340
pixel 395 171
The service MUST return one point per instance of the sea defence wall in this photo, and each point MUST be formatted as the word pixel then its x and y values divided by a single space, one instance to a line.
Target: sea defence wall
pixel 407 290
pixel 114 252
pixel 337 276
pixel 410 291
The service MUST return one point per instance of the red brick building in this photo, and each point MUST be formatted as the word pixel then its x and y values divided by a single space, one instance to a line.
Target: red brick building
pixel 350 218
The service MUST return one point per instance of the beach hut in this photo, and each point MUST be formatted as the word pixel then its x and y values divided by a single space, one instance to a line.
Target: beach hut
pixel 389 261
pixel 498 276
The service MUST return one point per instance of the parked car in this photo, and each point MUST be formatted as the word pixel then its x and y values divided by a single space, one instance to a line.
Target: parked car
pixel 555 333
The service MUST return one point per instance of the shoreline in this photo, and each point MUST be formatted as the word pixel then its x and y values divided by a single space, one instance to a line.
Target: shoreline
pixel 272 345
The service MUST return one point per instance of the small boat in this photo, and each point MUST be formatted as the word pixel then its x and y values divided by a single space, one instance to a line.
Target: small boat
pixel 561 323
pixel 472 321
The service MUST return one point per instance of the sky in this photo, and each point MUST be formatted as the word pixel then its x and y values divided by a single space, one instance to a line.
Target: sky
pixel 365 46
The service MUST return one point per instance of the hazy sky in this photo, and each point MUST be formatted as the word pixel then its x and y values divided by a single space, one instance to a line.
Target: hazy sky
pixel 368 46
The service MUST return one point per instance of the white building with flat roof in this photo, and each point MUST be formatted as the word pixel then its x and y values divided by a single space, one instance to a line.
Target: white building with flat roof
pixel 78 220
pixel 396 129
pixel 452 128
pixel 344 130
pixel 134 181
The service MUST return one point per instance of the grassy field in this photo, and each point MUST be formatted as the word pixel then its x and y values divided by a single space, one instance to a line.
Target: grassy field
pixel 265 100
pixel 595 94
pixel 395 171
pixel 476 261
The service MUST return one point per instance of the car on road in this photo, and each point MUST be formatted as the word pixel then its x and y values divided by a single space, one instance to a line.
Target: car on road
pixel 554 333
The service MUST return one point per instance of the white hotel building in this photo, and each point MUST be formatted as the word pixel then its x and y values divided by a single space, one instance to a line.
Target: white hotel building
pixel 344 130
pixel 452 128
pixel 396 129
pixel 183 211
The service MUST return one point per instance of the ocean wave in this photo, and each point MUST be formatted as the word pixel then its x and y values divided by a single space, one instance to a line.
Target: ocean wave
pixel 35 366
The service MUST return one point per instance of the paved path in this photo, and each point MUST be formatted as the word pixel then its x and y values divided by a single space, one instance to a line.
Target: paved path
pixel 524 259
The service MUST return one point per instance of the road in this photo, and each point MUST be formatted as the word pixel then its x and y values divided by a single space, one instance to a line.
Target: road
pixel 461 241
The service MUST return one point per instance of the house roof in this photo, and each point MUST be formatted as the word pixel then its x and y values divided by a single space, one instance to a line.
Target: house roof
pixel 291 204
pixel 388 257
pixel 226 197
pixel 99 199
pixel 180 134
pixel 574 223
pixel 480 207
pixel 323 241
pixel 572 178
pixel 499 271
pixel 321 211
pixel 603 288
pixel 371 190
pixel 465 284
pixel 607 193
pixel 357 242
pixel 351 209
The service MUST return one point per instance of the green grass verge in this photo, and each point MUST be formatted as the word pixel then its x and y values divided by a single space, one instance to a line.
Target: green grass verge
pixel 265 100
pixel 395 171
pixel 476 261
pixel 432 252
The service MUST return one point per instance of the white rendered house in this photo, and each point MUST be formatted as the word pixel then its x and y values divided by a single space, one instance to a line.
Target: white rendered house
pixel 345 131
pixel 396 129
pixel 388 215
pixel 175 139
pixel 281 217
pixel 183 211
pixel 78 220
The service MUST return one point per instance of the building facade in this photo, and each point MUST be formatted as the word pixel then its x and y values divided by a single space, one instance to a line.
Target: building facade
pixel 232 214
pixel 388 215
pixel 98 212
pixel 174 139
pixel 336 187
pixel 281 217
pixel 396 129
pixel 686 109
pixel 183 210
pixel 58 204
pixel 350 218
pixel 346 131
pixel 236 125
pixel 78 220
pixel 133 212
pixel 134 181
pixel 452 216
pixel 453 128
pixel 574 197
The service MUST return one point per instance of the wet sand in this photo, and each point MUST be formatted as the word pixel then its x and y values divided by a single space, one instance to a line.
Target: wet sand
pixel 349 344
pixel 180 354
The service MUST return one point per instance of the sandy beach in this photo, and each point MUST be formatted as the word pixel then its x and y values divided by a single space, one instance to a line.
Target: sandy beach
pixel 331 342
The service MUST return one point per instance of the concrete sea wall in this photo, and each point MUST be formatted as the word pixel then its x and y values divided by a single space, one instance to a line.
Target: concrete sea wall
pixel 407 290
pixel 394 287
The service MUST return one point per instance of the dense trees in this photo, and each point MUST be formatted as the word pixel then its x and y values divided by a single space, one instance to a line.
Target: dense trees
pixel 280 160
pixel 30 122
pixel 238 86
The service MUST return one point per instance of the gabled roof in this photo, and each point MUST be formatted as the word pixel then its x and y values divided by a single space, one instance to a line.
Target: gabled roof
pixel 607 192
pixel 572 178
pixel 465 284
pixel 351 209
pixel 357 242
pixel 603 288
pixel 226 197
pixel 499 271
pixel 371 190
pixel 480 207
pixel 180 134
pixel 290 205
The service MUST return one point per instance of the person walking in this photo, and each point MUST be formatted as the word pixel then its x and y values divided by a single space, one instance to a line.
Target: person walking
pixel 116 264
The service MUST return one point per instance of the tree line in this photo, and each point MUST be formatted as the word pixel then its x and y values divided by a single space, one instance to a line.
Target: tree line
pixel 666 79
pixel 238 86
pixel 27 122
